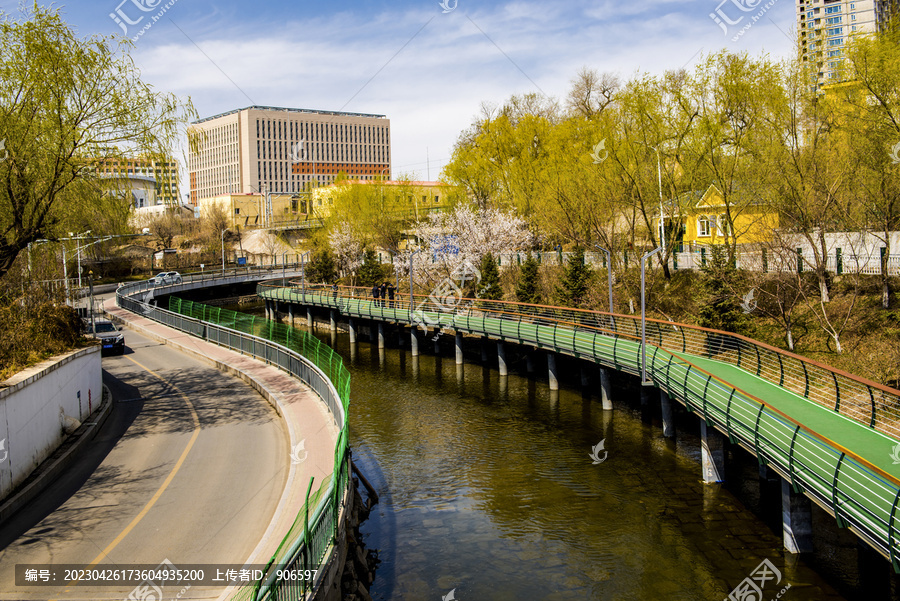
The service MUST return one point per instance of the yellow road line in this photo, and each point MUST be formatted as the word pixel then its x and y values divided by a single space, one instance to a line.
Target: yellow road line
pixel 165 483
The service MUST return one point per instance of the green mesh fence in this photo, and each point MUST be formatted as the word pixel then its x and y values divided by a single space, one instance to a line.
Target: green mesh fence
pixel 321 355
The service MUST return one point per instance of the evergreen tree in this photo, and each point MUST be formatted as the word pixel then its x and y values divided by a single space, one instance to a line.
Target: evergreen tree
pixel 527 286
pixel 371 272
pixel 720 310
pixel 321 268
pixel 490 279
pixel 575 282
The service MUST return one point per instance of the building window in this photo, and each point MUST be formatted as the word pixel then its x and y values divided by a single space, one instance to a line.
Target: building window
pixel 703 226
pixel 237 211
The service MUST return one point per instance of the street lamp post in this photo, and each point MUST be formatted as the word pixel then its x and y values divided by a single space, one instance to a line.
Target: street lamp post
pixel 411 255
pixel 303 275
pixel 662 229
pixel 644 381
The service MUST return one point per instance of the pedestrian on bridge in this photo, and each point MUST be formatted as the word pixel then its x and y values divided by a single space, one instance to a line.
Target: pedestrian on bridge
pixel 390 293
pixel 376 292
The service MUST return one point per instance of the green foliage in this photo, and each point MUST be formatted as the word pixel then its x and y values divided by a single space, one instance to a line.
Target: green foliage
pixel 527 290
pixel 68 104
pixel 321 267
pixel 371 272
pixel 721 309
pixel 576 280
pixel 490 279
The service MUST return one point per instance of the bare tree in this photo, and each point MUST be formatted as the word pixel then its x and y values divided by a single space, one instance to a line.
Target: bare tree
pixel 592 92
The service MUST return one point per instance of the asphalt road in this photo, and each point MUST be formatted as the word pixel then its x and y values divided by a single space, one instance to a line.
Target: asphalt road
pixel 188 468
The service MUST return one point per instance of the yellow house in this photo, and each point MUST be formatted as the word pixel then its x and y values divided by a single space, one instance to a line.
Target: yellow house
pixel 704 218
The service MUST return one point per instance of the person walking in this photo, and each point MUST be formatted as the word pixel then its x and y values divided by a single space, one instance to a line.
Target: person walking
pixel 383 293
pixel 376 292
pixel 390 293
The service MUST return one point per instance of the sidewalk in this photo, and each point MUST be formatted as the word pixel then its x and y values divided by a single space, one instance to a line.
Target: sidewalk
pixel 304 417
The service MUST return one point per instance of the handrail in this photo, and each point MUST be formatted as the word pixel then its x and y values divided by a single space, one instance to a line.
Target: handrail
pixel 870 403
pixel 851 487
pixel 302 547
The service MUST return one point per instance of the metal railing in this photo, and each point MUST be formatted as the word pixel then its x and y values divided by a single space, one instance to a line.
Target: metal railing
pixel 869 403
pixel 306 543
pixel 857 492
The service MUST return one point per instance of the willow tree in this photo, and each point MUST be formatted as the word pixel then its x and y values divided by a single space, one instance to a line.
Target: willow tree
pixel 871 109
pixel 67 104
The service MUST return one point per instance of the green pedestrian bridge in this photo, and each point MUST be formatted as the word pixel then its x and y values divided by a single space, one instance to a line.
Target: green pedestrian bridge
pixel 832 437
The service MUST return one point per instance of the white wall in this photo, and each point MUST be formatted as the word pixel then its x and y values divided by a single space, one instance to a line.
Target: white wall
pixel 40 406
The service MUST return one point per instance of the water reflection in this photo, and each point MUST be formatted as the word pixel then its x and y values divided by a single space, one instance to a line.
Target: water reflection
pixel 487 487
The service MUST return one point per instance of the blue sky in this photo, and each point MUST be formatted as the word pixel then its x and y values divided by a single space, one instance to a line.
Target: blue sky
pixel 426 69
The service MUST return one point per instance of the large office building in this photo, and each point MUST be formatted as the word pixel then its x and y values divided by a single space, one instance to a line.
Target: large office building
pixel 259 150
pixel 825 26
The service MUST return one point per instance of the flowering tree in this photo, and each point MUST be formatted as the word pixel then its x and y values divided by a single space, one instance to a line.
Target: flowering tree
pixel 347 248
pixel 455 242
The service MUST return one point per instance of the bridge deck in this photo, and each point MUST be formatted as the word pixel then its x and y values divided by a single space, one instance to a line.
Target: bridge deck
pixel 843 464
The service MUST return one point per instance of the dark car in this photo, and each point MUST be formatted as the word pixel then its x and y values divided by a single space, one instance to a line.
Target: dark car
pixel 111 338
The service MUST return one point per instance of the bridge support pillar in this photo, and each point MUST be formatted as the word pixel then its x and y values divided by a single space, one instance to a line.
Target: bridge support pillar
pixel 414 341
pixel 266 308
pixel 332 321
pixel 501 359
pixel 351 326
pixel 274 310
pixel 291 314
pixel 796 520
pixel 648 394
pixel 484 351
pixel 309 319
pixel 380 334
pixel 605 389
pixel 668 415
pixel 712 453
pixel 529 363
pixel 459 348
pixel 551 369
pixel 437 342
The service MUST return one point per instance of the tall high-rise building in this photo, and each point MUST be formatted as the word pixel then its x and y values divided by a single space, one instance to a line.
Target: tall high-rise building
pixel 825 26
pixel 262 149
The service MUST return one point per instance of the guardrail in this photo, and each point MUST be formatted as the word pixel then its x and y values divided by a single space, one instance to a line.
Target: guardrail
pixel 869 403
pixel 858 493
pixel 306 543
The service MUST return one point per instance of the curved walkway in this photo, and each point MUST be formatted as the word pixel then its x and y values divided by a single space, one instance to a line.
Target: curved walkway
pixel 829 440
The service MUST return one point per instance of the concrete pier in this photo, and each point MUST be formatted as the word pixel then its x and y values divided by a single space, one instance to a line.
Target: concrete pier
pixel 484 351
pixel 291 314
pixel 668 414
pixel 605 389
pixel 437 342
pixel 332 318
pixel 351 326
pixel 585 377
pixel 712 453
pixel 414 341
pixel 551 370
pixel 796 520
pixel 501 359
pixel 529 363
pixel 309 319
pixel 380 334
pixel 459 348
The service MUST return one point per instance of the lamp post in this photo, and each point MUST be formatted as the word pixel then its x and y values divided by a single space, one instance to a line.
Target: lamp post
pixel 303 274
pixel 662 228
pixel 411 255
pixel 222 237
pixel 91 284
pixel 644 381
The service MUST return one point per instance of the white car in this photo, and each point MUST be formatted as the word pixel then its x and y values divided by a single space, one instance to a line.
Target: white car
pixel 166 277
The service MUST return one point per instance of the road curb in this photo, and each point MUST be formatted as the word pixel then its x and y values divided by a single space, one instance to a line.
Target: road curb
pixel 50 471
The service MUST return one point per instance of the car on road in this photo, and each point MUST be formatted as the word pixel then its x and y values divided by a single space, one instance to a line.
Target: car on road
pixel 111 338
pixel 166 277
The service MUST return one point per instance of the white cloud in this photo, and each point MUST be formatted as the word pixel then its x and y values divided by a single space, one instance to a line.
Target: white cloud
pixel 432 88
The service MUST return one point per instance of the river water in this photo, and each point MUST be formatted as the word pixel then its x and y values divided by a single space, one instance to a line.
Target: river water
pixel 487 488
